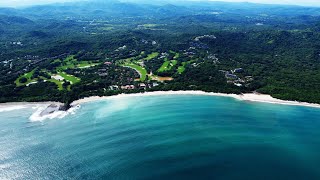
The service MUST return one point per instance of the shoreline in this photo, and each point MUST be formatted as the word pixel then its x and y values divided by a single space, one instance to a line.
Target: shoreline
pixel 249 97
pixel 40 110
pixel 9 106
pixel 25 103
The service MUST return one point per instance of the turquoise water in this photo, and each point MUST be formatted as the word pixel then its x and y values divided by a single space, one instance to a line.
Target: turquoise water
pixel 164 137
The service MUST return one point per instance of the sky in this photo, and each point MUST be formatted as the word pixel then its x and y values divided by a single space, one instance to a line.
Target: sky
pixel 17 3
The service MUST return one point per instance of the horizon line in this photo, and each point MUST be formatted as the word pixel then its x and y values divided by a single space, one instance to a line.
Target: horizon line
pixel 179 1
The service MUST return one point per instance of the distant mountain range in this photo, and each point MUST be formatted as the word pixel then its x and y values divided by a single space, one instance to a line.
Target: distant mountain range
pixel 115 8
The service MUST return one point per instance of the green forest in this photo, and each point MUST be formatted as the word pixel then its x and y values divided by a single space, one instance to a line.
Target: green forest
pixel 64 53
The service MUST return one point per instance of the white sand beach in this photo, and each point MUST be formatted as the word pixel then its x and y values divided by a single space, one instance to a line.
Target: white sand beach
pixel 264 98
pixel 50 110
pixel 253 97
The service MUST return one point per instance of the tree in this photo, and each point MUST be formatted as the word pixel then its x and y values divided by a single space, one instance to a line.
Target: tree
pixel 23 80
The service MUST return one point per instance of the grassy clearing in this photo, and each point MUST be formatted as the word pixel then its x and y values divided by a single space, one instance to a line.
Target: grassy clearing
pixel 139 58
pixel 71 63
pixel 72 79
pixel 86 64
pixel 176 55
pixel 168 65
pixel 133 63
pixel 28 76
pixel 68 63
pixel 174 62
pixel 58 83
pixel 164 66
pixel 142 71
pixel 182 68
pixel 70 58
pixel 65 67
pixel 151 56
pixel 128 60
pixel 57 61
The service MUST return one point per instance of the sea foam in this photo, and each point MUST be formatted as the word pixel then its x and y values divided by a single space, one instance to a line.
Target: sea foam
pixel 12 108
pixel 37 117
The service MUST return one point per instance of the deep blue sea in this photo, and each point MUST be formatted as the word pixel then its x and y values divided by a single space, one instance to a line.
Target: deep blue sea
pixel 164 137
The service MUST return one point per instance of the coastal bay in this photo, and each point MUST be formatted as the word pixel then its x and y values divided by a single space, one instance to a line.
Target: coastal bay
pixel 51 110
pixel 253 97
pixel 164 136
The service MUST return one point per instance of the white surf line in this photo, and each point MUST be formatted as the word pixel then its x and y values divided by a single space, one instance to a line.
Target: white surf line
pixel 243 97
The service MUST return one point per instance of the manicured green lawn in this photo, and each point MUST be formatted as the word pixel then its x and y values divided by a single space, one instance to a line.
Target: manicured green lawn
pixel 58 83
pixel 65 67
pixel 182 68
pixel 83 64
pixel 176 56
pixel 128 60
pixel 142 71
pixel 174 62
pixel 71 63
pixel 167 65
pixel 151 56
pixel 86 64
pixel 133 63
pixel 68 63
pixel 70 58
pixel 57 61
pixel 164 66
pixel 28 76
pixel 72 79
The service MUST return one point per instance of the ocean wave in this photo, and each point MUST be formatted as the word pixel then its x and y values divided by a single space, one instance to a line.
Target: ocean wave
pixel 12 108
pixel 37 117
pixel 112 107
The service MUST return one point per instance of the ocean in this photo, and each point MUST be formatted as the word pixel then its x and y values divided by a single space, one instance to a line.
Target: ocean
pixel 164 137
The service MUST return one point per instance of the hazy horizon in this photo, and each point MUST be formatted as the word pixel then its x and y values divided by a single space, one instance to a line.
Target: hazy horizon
pixel 19 3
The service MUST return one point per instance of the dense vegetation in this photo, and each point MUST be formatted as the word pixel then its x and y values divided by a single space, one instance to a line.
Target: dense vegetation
pixel 66 52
